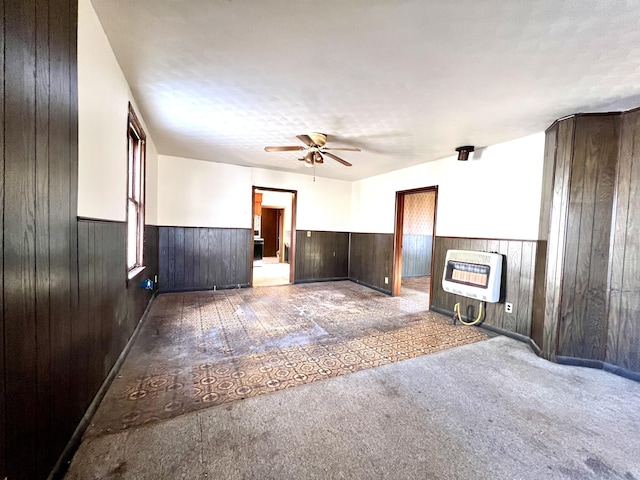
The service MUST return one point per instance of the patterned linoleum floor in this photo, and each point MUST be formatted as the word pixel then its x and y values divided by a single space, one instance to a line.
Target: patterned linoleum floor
pixel 202 349
pixel 420 284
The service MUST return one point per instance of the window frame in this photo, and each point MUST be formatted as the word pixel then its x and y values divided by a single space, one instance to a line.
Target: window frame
pixel 136 191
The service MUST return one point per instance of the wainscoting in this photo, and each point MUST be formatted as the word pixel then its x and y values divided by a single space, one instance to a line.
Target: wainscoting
pixel 518 287
pixel 109 308
pixel 321 256
pixel 193 258
pixel 416 255
pixel 371 259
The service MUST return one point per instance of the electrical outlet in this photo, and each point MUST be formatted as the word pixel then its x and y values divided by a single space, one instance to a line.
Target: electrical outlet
pixel 334 254
pixel 308 233
pixel 386 280
pixel 508 307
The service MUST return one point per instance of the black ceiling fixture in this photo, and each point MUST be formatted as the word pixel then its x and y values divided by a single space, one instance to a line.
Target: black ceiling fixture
pixel 463 152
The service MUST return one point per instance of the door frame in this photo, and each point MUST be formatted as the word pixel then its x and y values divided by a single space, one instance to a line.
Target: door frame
pixel 292 240
pixel 396 280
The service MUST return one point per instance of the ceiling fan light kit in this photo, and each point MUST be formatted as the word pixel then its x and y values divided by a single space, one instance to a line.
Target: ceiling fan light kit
pixel 316 149
pixel 463 152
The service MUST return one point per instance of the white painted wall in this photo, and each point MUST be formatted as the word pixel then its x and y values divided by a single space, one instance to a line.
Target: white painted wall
pixel 496 194
pixel 208 194
pixel 279 200
pixel 195 193
pixel 323 204
pixel 103 97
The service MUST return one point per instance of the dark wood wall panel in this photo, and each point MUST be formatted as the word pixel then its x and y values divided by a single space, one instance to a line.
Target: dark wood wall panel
pixel 66 310
pixel 322 256
pixel 19 239
pixel 538 299
pixel 371 259
pixel 520 256
pixel 3 420
pixel 109 309
pixel 192 258
pixel 46 416
pixel 557 235
pixel 583 317
pixel 416 255
pixel 623 340
pixel 591 290
pixel 38 189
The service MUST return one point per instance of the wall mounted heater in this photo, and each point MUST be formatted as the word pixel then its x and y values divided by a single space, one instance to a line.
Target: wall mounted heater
pixel 473 274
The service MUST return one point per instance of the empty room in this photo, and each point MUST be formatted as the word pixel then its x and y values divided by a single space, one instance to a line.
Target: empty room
pixel 300 240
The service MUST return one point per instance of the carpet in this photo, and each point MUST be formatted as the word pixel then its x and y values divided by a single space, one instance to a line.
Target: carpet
pixel 487 410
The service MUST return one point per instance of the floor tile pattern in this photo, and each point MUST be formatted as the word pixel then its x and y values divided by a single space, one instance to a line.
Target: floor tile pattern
pixel 201 349
pixel 420 284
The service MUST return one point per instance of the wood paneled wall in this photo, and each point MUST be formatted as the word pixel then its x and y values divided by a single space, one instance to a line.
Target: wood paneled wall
pixel 109 308
pixel 66 311
pixel 518 287
pixel 203 258
pixel 623 335
pixel 38 178
pixel 591 289
pixel 582 329
pixel 322 256
pixel 371 259
pixel 416 255
pixel 558 154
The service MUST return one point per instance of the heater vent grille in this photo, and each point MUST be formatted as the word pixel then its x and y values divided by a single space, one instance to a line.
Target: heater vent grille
pixel 473 274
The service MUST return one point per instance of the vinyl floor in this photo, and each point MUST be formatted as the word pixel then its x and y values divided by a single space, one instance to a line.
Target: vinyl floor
pixel 202 349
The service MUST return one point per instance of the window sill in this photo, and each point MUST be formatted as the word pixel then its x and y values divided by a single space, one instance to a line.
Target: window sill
pixel 133 273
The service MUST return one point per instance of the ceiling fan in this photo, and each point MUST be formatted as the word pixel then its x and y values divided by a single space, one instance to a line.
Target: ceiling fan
pixel 315 147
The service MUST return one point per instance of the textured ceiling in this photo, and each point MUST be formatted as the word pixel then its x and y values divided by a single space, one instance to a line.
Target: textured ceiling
pixel 406 81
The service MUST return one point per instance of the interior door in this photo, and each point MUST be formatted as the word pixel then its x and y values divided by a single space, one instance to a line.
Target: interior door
pixel 270 231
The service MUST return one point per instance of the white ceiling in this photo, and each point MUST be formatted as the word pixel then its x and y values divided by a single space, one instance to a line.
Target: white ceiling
pixel 405 80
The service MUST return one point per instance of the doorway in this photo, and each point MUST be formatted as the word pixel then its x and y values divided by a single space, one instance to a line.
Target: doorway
pixel 274 236
pixel 414 243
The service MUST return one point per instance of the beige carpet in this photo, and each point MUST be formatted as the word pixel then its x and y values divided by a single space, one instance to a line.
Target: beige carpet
pixel 490 410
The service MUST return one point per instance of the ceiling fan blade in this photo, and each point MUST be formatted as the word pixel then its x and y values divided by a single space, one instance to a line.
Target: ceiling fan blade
pixel 282 149
pixel 346 149
pixel 306 139
pixel 337 159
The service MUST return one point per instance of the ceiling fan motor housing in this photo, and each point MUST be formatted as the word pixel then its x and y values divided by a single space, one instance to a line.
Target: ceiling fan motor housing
pixel 315 147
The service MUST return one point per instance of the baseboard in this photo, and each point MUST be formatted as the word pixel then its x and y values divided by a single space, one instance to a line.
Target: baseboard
pixel 317 280
pixel 61 466
pixel 207 289
pixel 369 285
pixel 600 365
pixel 559 359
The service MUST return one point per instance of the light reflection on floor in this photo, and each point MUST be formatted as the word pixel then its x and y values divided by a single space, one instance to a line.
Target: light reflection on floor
pixel 269 272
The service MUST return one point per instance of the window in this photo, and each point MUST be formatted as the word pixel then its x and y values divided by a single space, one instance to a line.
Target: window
pixel 135 195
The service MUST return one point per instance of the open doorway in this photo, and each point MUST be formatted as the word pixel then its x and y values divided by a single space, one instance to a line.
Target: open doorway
pixel 273 236
pixel 414 243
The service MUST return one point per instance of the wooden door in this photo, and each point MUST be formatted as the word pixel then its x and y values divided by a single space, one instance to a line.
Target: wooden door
pixel 270 231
